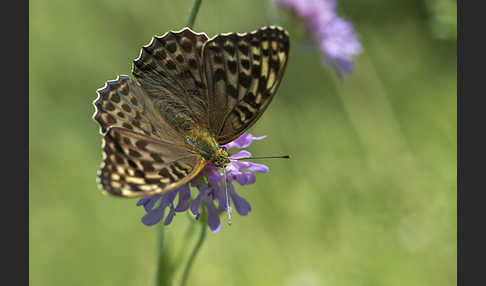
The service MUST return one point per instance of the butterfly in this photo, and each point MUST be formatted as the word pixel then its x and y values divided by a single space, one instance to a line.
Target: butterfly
pixel 192 95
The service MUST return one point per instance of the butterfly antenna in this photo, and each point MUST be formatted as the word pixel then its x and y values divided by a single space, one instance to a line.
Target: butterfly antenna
pixel 228 207
pixel 267 157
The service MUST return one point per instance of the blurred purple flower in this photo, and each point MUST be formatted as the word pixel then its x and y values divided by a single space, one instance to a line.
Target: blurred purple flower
pixel 210 190
pixel 335 37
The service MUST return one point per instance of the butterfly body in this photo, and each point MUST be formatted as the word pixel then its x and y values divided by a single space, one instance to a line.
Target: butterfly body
pixel 197 136
pixel 207 146
pixel 192 95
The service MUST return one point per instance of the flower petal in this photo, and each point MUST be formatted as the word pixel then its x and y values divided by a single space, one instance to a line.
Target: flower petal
pixel 243 141
pixel 149 205
pixel 196 203
pixel 246 178
pixel 213 173
pixel 255 167
pixel 170 216
pixel 153 216
pixel 213 216
pixel 220 194
pixel 237 165
pixel 184 197
pixel 143 201
pixel 245 165
pixel 169 197
pixel 241 155
pixel 241 205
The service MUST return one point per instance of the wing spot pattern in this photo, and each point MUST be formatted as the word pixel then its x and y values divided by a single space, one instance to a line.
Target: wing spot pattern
pixel 239 100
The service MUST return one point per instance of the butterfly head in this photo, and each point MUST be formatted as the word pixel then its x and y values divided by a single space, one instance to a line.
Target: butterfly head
pixel 220 158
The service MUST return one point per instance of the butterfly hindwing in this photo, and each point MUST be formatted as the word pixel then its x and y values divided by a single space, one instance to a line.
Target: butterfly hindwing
pixel 135 165
pixel 243 72
pixel 143 155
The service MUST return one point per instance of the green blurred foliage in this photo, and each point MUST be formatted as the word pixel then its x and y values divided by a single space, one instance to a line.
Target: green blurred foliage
pixel 443 20
pixel 369 197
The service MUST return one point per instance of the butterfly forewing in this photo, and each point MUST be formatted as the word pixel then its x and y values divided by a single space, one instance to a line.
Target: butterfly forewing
pixel 169 70
pixel 135 165
pixel 243 72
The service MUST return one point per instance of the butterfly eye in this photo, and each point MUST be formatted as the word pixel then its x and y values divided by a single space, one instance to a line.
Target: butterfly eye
pixel 224 148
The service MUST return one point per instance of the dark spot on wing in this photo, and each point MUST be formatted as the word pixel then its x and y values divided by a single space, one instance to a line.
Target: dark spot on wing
pixel 110 119
pixel 134 153
pixel 232 66
pixel 231 91
pixel 115 97
pixel 170 65
pixel 256 71
pixel 172 47
pixel 109 106
pixel 147 166
pixel 243 48
pixel 186 45
pixel 219 75
pixel 193 63
pixel 245 64
pixel 244 80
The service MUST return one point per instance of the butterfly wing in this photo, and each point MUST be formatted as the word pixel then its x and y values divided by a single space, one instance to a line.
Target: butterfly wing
pixel 169 71
pixel 122 103
pixel 243 72
pixel 143 155
pixel 136 165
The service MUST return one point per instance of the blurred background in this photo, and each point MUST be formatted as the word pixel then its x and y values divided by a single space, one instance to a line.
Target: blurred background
pixel 369 197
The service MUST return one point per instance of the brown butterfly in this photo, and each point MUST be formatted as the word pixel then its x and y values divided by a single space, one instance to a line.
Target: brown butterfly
pixel 192 95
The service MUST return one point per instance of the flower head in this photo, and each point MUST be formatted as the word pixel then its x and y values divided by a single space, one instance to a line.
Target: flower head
pixel 210 183
pixel 334 36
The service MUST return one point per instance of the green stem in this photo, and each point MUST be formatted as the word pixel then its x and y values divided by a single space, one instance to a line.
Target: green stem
pixel 193 13
pixel 160 245
pixel 189 234
pixel 196 249
pixel 164 268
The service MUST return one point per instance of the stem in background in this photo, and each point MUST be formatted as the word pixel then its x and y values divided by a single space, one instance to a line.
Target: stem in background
pixel 196 249
pixel 164 268
pixel 160 245
pixel 189 234
pixel 193 13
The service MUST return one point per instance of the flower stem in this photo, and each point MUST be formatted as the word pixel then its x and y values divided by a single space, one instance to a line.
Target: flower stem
pixel 196 249
pixel 193 13
pixel 163 264
pixel 189 234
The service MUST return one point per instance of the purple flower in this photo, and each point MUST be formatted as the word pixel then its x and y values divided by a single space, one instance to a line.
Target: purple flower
pixel 334 36
pixel 156 214
pixel 211 185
